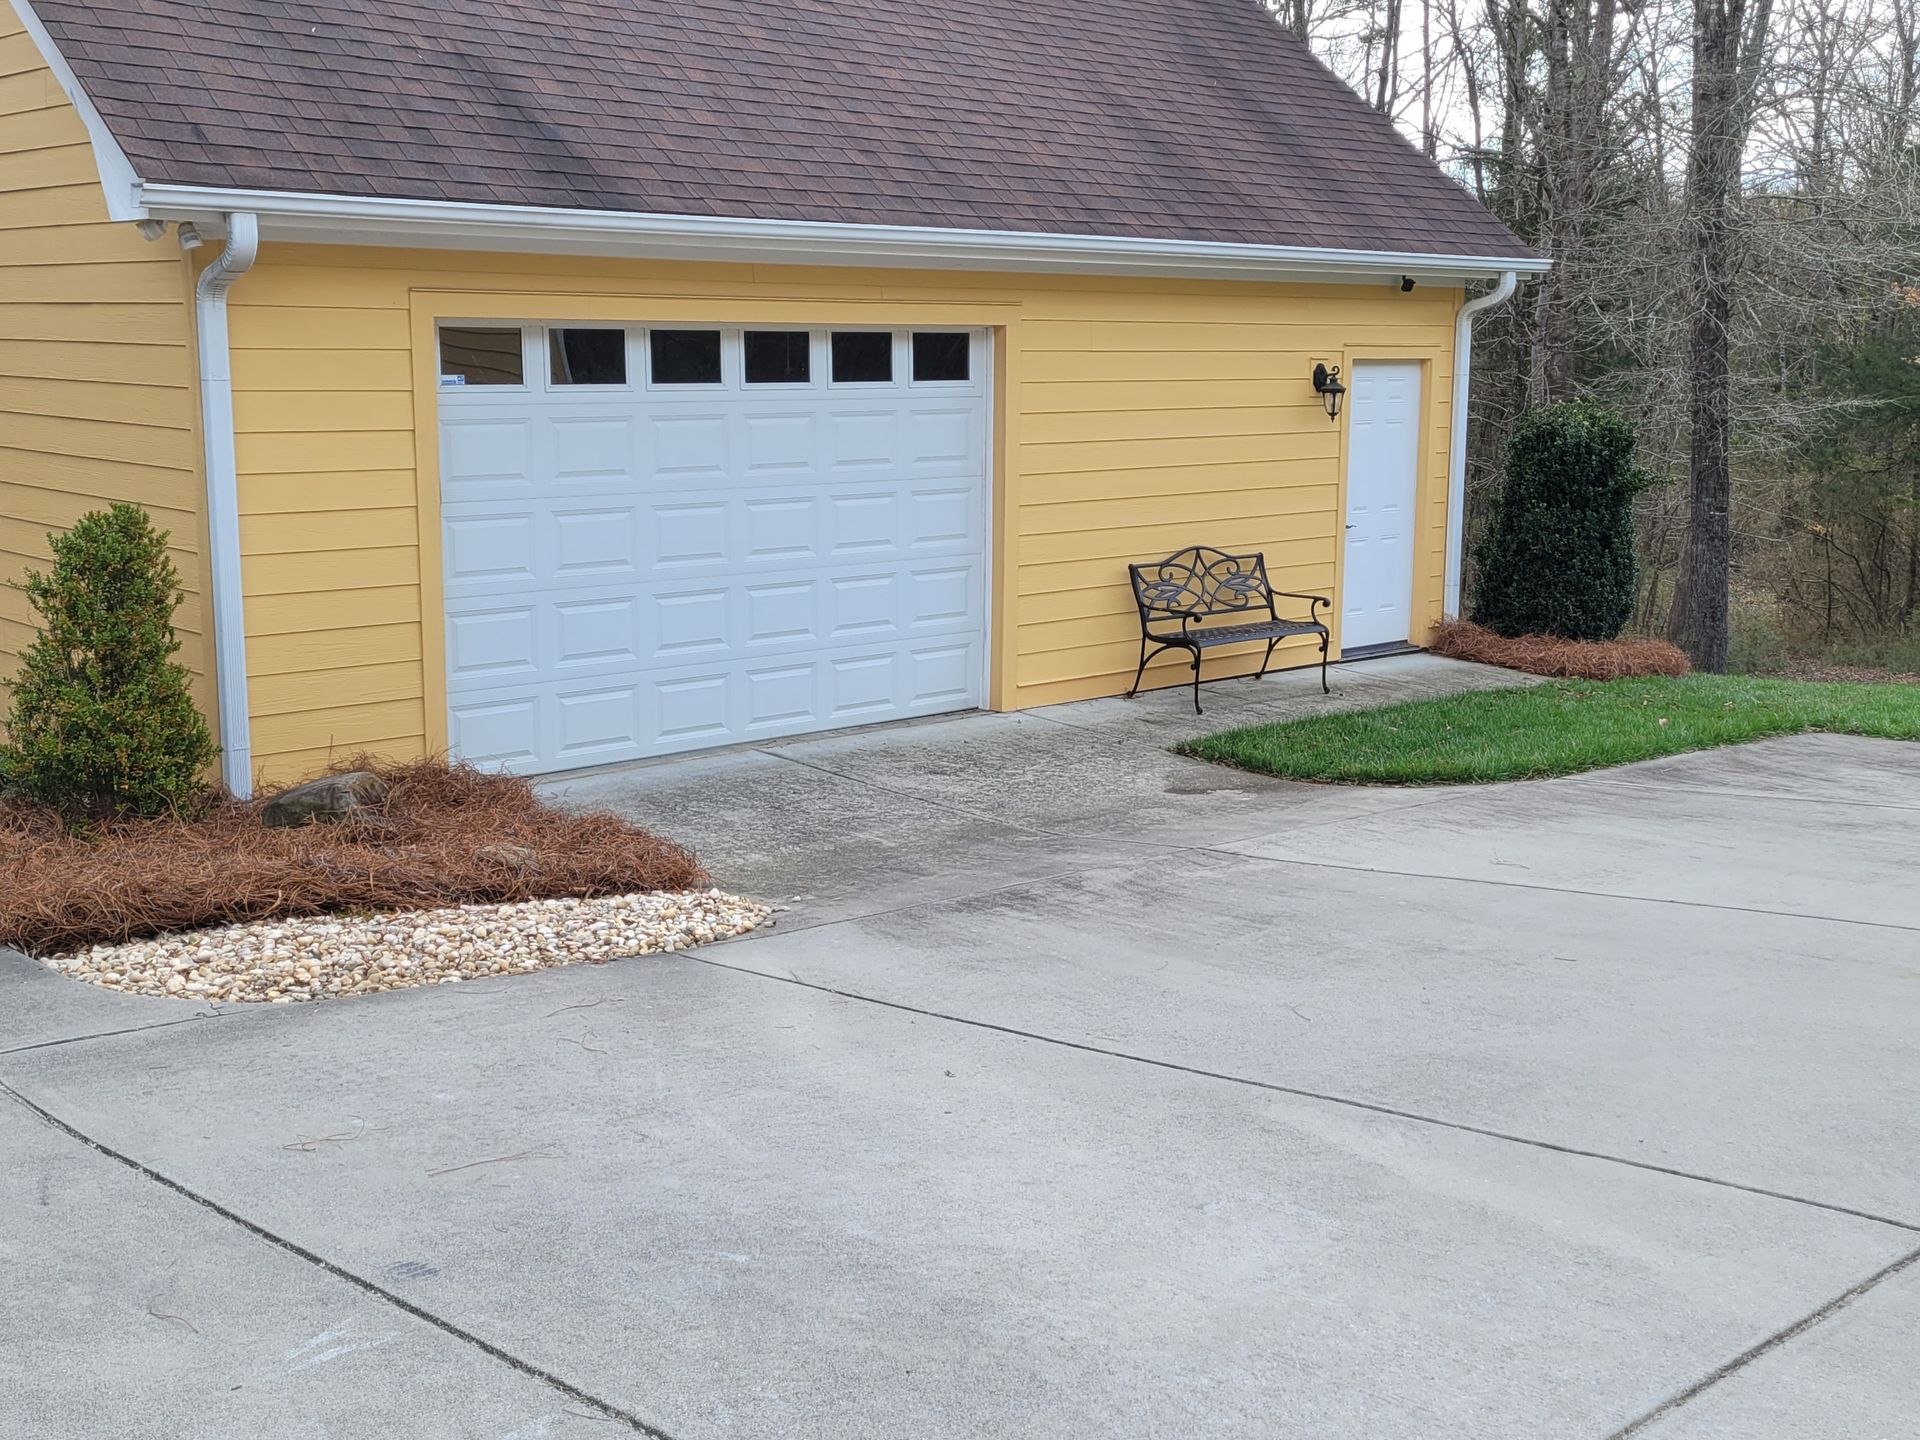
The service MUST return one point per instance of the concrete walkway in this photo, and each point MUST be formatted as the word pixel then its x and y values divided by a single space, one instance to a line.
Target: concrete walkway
pixel 1081 1091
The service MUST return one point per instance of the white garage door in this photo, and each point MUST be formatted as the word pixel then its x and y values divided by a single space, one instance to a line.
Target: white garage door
pixel 664 539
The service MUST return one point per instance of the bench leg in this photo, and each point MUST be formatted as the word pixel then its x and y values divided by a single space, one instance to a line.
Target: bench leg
pixel 1196 683
pixel 1135 690
pixel 1325 640
pixel 1267 659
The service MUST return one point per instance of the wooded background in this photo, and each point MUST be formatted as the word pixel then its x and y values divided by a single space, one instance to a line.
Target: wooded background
pixel 1730 193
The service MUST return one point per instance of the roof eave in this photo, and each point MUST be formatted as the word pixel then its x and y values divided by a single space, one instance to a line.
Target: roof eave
pixel 288 216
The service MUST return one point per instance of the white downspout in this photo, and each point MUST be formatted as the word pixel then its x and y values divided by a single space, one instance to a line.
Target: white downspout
pixel 1457 438
pixel 223 497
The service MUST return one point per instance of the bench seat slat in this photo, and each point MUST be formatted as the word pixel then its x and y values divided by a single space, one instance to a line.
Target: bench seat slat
pixel 1260 630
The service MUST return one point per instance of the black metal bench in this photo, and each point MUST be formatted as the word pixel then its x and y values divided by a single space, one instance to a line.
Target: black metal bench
pixel 1201 583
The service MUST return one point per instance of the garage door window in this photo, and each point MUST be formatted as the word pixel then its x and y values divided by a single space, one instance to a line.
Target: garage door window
pixel 939 355
pixel 471 355
pixel 685 357
pixel 862 357
pixel 588 357
pixel 778 357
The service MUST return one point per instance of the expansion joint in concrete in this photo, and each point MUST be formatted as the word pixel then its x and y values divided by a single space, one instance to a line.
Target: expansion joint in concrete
pixel 1773 1342
pixel 1298 1092
pixel 602 1409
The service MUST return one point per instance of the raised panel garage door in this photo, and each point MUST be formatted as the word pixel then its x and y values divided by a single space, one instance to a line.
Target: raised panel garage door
pixel 659 540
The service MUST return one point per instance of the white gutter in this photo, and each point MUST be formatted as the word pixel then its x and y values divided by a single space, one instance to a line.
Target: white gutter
pixel 444 224
pixel 1457 437
pixel 223 497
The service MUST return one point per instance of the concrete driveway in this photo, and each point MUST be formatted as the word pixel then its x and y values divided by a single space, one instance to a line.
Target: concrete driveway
pixel 1081 1091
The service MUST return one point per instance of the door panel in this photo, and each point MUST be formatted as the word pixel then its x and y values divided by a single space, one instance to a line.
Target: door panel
pixel 1383 477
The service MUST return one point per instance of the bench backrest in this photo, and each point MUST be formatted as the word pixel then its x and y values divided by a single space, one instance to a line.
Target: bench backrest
pixel 1201 581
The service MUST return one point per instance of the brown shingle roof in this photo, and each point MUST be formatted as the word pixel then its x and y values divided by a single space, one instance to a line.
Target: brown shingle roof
pixel 1180 119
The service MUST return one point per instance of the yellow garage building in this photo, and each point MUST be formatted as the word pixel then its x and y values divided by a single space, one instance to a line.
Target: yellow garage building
pixel 560 384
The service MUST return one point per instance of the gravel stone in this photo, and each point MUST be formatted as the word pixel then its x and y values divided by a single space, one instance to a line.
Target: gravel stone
pixel 323 957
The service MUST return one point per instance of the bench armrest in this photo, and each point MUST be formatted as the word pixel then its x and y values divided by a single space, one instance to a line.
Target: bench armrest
pixel 1167 616
pixel 1313 611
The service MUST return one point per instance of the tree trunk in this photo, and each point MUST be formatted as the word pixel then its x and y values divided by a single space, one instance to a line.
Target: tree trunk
pixel 1912 612
pixel 1722 53
pixel 1389 75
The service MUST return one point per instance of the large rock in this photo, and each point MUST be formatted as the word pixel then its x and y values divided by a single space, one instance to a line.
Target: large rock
pixel 518 858
pixel 356 795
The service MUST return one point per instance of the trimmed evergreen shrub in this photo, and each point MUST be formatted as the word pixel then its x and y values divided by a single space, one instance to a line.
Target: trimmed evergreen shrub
pixel 102 723
pixel 1558 557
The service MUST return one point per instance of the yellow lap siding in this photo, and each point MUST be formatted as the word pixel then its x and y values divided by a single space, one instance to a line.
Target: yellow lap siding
pixel 1171 366
pixel 1225 446
pixel 103 324
pixel 291 412
pixel 65 359
pixel 307 372
pixel 1199 507
pixel 84 399
pixel 68 246
pixel 1156 396
pixel 1133 417
pixel 342 729
pixel 122 282
pixel 369 685
pixel 1159 425
pixel 96 377
pixel 305 651
pixel 38 496
pixel 55 205
pixel 322 574
pixel 300 763
pixel 266 327
pixel 1286 466
pixel 327 530
pixel 46 168
pixel 128 442
pixel 333 613
pixel 319 452
pixel 344 490
pixel 1284 539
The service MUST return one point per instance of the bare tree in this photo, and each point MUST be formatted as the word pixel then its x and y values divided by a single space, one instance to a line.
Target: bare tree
pixel 1729 42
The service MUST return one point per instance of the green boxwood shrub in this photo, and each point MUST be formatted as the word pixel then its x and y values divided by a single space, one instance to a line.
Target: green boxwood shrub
pixel 1558 557
pixel 102 723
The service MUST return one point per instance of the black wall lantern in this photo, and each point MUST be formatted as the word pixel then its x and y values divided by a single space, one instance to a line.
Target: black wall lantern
pixel 1326 384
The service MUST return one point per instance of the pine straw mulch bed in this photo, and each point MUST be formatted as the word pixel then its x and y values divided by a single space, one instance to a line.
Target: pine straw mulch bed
pixel 447 835
pixel 1562 659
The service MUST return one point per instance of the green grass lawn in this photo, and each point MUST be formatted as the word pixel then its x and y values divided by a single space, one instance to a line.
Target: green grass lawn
pixel 1557 728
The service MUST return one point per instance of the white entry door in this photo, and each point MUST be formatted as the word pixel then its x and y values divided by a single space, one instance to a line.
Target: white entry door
pixel 661 539
pixel 1383 475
